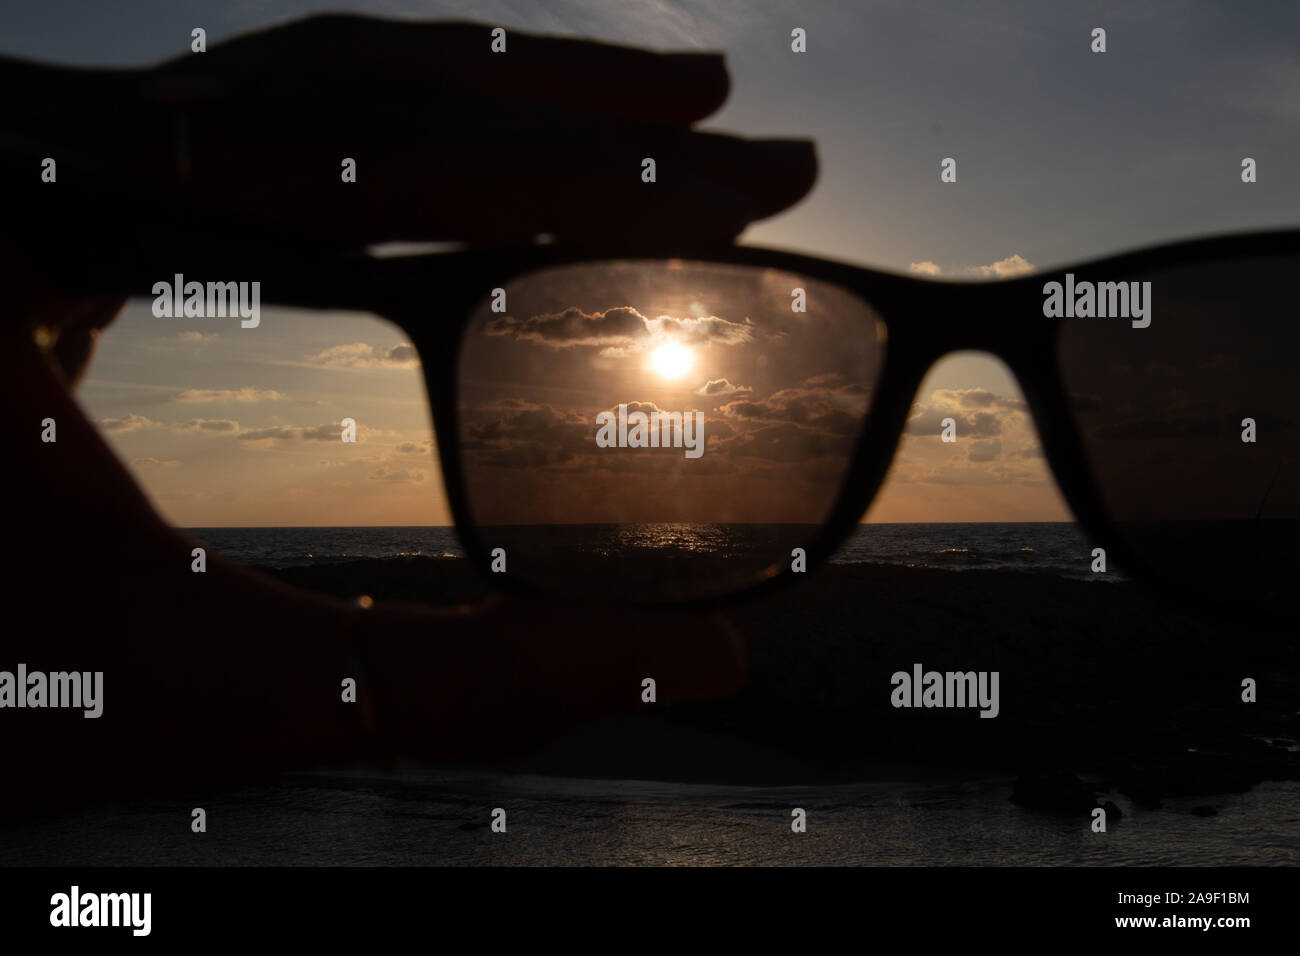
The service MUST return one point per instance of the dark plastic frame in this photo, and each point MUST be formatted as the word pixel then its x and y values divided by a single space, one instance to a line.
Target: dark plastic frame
pixel 432 297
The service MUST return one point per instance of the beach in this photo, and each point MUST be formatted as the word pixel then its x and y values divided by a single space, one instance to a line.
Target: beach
pixel 1101 680
pixel 1109 698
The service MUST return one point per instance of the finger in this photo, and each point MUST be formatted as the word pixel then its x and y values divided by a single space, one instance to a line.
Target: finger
pixel 408 62
pixel 503 179
pixel 66 324
pixel 73 350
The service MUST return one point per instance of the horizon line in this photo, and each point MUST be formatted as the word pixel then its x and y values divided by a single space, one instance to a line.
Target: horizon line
pixel 245 527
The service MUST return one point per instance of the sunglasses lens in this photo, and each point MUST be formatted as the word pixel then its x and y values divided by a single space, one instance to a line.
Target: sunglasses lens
pixel 660 430
pixel 1189 422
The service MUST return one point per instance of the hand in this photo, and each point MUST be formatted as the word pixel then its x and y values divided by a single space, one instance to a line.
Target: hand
pixel 452 141
pixel 227 670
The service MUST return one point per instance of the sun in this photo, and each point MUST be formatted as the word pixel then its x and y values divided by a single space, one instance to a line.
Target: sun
pixel 672 360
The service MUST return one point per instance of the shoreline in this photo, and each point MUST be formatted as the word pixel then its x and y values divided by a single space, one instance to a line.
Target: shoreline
pixel 1108 683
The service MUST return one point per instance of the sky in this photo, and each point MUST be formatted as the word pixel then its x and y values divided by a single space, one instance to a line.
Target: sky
pixel 1062 155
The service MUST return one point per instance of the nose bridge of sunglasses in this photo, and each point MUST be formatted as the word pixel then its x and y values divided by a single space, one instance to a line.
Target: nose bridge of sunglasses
pixel 928 320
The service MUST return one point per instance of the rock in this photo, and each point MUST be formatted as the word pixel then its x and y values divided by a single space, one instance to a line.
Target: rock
pixel 1143 790
pixel 1057 790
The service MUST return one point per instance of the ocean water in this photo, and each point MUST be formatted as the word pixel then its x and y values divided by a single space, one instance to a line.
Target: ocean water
pixel 293 547
pixel 1058 548
pixel 435 817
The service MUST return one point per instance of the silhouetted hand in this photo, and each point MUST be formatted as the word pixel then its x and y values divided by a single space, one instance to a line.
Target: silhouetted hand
pixel 229 671
pixel 451 141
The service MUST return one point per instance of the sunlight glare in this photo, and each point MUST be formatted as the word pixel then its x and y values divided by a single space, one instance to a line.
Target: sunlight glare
pixel 672 360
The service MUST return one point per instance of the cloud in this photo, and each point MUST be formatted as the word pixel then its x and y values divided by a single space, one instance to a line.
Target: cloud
pixel 332 431
pixel 975 398
pixel 526 424
pixel 573 327
pixel 960 475
pixel 207 425
pixel 227 395
pixel 533 437
pixel 157 462
pixel 977 412
pixel 986 450
pixel 505 405
pixel 189 342
pixel 619 331
pixel 132 423
pixel 361 355
pixel 721 388
pixel 705 330
pixel 420 448
pixel 819 402
pixel 1013 265
pixel 390 473
pixel 127 423
pixel 929 421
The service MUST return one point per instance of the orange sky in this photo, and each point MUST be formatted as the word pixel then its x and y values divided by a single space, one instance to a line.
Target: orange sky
pixel 226 426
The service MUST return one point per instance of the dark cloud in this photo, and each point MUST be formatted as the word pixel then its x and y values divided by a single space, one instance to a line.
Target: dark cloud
pixel 721 388
pixel 988 450
pixel 535 437
pixel 614 327
pixel 393 474
pixel 619 329
pixel 818 403
pixel 208 425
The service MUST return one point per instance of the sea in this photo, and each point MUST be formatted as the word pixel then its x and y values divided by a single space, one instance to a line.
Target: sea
pixel 1058 548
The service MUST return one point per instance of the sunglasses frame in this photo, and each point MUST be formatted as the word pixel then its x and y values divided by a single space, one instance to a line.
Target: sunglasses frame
pixel 925 319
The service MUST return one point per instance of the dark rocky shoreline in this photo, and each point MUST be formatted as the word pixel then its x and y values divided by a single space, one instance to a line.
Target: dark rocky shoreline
pixel 1102 681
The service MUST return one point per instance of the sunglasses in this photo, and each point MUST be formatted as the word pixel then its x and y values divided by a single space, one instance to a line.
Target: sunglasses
pixel 641 423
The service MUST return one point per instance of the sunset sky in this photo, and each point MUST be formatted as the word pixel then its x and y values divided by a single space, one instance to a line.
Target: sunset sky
pixel 1062 155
